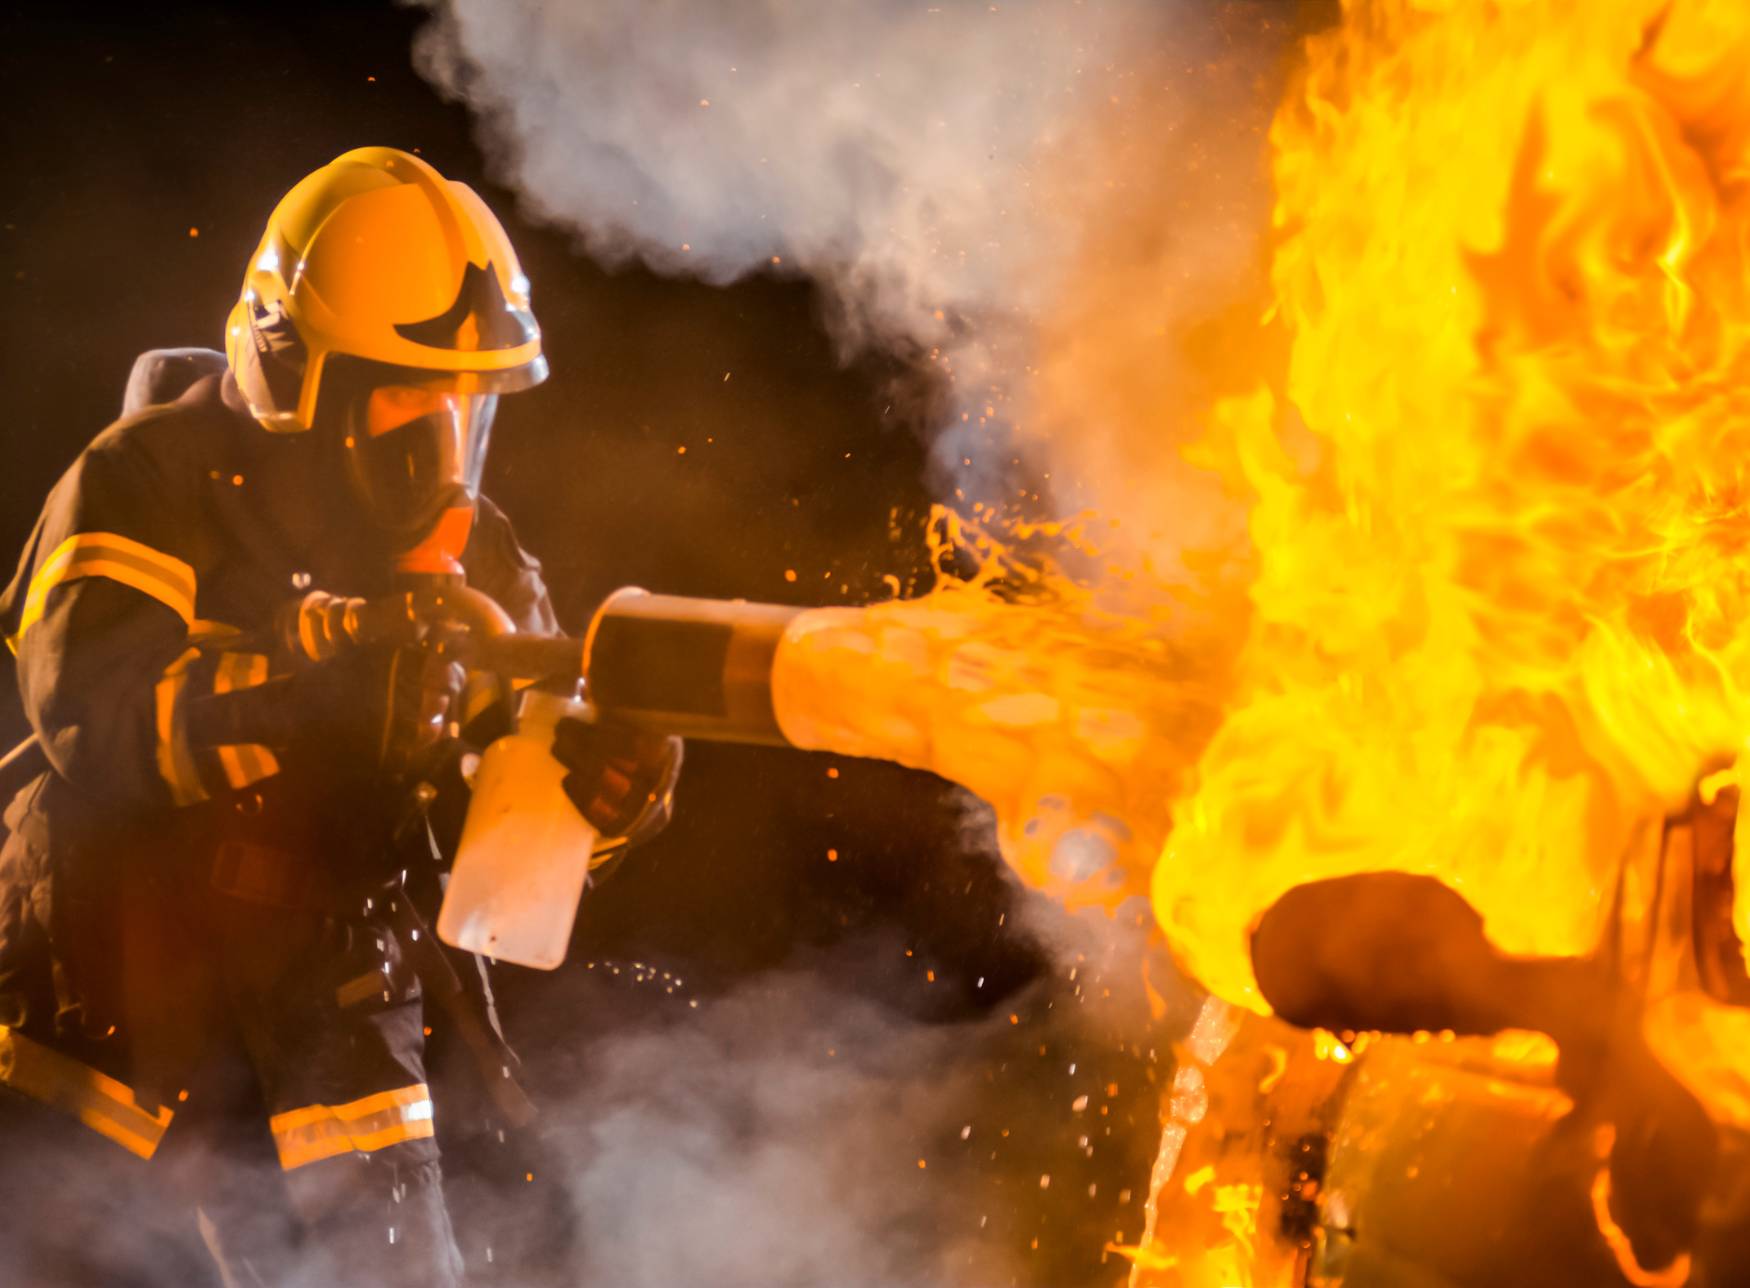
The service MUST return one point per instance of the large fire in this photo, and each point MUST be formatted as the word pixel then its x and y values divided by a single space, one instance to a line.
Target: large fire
pixel 1499 504
pixel 1495 628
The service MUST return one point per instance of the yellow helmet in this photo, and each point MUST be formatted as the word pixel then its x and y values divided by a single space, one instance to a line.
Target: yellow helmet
pixel 376 270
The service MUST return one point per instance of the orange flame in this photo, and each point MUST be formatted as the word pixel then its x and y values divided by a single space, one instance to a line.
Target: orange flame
pixel 1497 621
pixel 1495 625
pixel 1498 505
pixel 1054 709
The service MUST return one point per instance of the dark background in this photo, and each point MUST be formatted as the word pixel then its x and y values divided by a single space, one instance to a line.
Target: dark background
pixel 142 156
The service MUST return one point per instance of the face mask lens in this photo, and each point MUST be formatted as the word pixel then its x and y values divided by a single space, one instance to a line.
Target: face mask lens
pixel 410 473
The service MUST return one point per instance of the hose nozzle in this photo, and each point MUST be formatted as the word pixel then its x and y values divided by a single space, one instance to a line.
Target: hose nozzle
pixel 700 668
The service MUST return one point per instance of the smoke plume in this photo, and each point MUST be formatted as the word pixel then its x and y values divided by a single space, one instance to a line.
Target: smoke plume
pixel 798 1131
pixel 738 1149
pixel 884 148
pixel 1038 198
pixel 1054 208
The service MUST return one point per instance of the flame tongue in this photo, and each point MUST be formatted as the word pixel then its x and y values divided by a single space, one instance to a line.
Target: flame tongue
pixel 1076 727
pixel 1497 626
pixel 1494 628
pixel 1498 619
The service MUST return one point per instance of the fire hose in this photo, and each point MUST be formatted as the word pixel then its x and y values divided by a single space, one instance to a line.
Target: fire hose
pixel 667 664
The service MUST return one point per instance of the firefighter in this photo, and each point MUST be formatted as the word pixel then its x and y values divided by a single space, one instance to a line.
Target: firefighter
pixel 208 877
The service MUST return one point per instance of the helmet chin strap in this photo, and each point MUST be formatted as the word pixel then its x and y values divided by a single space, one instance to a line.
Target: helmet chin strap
pixel 439 552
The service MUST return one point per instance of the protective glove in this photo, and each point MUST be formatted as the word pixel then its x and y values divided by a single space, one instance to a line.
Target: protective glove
pixel 621 780
pixel 365 709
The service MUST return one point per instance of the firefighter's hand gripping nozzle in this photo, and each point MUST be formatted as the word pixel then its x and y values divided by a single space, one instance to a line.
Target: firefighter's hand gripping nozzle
pixel 652 669
pixel 663 664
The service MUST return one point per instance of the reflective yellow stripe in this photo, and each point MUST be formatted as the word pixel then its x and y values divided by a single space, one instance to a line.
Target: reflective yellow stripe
pixel 363 988
pixel 247 763
pixel 175 762
pixel 244 763
pixel 108 554
pixel 239 671
pixel 106 1106
pixel 387 1118
pixel 399 1098
pixel 232 764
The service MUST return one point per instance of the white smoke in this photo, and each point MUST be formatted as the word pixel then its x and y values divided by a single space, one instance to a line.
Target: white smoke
pixel 948 173
pixel 1008 190
pixel 885 147
pixel 771 1142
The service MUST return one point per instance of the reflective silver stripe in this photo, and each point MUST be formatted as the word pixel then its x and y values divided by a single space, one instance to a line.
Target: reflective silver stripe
pixel 316 1132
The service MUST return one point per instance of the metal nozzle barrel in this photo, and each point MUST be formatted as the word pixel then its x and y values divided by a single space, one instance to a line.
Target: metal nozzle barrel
pixel 700 668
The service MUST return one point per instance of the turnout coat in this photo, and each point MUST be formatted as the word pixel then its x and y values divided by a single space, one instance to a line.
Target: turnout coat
pixel 160 902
